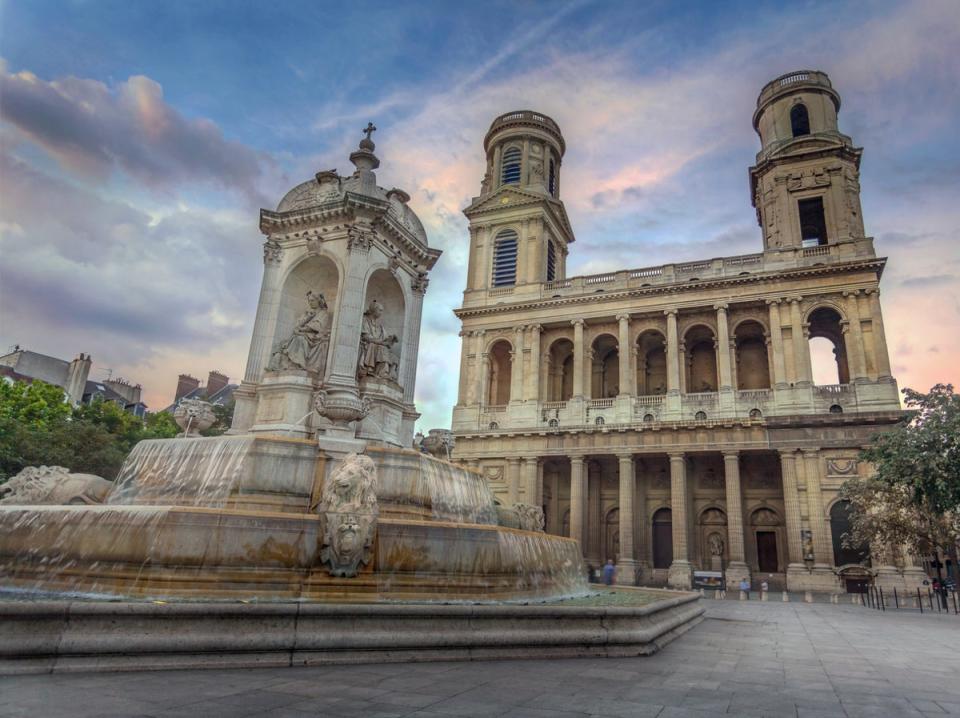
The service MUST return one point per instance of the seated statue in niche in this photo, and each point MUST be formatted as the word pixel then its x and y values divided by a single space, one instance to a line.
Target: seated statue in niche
pixel 377 357
pixel 307 347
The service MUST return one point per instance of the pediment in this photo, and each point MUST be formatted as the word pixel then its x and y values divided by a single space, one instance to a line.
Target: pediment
pixel 510 197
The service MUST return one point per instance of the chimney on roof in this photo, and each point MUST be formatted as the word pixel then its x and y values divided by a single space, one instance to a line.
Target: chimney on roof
pixel 77 373
pixel 185 384
pixel 130 393
pixel 215 382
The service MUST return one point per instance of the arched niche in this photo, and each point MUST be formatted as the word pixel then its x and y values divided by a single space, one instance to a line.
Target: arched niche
pixel 701 359
pixel 560 371
pixel 651 363
pixel 753 364
pixel 605 367
pixel 499 373
pixel 317 274
pixel 384 289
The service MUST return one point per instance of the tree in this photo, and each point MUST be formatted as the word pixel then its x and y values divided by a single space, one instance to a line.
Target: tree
pixel 224 414
pixel 913 498
pixel 38 427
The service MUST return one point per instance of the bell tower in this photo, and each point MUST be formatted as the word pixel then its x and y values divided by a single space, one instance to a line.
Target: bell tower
pixel 805 184
pixel 519 230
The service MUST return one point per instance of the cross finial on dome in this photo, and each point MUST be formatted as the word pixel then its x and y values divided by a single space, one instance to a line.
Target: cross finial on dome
pixel 367 142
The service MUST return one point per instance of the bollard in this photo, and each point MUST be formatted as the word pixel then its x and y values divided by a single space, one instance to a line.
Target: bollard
pixel 763 595
pixel 786 597
pixel 702 593
pixel 808 597
pixel 743 595
pixel 919 600
pixel 834 598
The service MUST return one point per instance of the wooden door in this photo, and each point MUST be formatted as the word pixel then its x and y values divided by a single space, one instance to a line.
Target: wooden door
pixel 767 552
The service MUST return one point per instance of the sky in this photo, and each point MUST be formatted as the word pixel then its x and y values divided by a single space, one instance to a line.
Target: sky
pixel 138 142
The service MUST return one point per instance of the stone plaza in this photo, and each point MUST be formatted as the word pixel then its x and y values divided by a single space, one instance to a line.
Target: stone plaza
pixel 746 658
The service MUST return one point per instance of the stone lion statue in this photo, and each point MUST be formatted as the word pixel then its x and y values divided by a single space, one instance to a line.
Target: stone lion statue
pixel 521 516
pixel 348 510
pixel 54 485
pixel 194 416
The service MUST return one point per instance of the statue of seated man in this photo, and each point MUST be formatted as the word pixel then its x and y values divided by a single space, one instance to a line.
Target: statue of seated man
pixel 377 357
pixel 307 347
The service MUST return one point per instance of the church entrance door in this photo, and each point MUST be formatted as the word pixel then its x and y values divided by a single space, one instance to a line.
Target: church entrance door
pixel 767 551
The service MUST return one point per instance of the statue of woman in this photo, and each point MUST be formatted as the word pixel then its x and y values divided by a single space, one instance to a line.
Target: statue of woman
pixel 377 358
pixel 307 346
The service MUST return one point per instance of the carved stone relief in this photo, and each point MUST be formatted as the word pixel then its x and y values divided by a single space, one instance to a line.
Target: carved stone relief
pixel 348 510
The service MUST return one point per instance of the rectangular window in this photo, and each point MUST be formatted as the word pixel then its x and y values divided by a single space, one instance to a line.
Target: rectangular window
pixel 505 260
pixel 551 261
pixel 813 226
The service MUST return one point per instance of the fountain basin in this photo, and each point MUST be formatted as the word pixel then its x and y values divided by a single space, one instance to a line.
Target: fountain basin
pixel 60 636
pixel 192 552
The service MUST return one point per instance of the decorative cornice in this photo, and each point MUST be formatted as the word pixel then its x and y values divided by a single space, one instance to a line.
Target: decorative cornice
pixel 674 288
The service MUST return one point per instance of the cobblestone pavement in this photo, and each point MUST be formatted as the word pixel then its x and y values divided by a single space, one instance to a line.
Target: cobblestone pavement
pixel 748 659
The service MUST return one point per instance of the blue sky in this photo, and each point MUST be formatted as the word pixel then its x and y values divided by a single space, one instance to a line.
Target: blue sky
pixel 138 141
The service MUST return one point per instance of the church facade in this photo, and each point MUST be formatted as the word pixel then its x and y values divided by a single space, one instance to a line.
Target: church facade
pixel 666 417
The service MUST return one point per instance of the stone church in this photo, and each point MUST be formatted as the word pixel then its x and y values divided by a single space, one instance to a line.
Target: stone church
pixel 666 417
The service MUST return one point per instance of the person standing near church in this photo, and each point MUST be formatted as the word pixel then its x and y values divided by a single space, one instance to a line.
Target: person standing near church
pixel 609 571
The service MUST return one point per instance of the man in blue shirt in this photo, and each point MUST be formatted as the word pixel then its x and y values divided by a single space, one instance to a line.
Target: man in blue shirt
pixel 608 573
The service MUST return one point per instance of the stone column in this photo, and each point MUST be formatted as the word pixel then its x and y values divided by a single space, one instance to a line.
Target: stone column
pixel 879 336
pixel 626 566
pixel 822 545
pixel 679 575
pixel 642 531
pixel 578 358
pixel 737 568
pixel 516 366
pixel 483 378
pixel 627 377
pixel 262 342
pixel 791 505
pixel 411 345
pixel 578 500
pixel 801 352
pixel 854 339
pixel 779 378
pixel 673 353
pixel 513 479
pixel 533 372
pixel 462 388
pixel 532 485
pixel 723 347
pixel 594 511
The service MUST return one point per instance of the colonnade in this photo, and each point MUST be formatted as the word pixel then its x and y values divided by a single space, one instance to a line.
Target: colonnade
pixel 788 355
pixel 804 522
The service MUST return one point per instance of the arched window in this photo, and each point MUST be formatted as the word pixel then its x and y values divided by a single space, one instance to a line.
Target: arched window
pixel 505 259
pixel 552 179
pixel 500 373
pixel 828 353
pixel 551 261
pixel 510 172
pixel 799 120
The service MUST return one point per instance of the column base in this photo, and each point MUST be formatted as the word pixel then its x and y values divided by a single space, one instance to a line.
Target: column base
pixel 736 571
pixel 626 572
pixel 680 575
pixel 820 578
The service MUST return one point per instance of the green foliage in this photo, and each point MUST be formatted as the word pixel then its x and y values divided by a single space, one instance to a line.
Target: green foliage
pixel 913 498
pixel 37 427
pixel 37 404
pixel 224 420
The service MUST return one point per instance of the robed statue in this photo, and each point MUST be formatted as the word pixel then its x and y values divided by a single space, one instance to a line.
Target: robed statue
pixel 377 357
pixel 307 347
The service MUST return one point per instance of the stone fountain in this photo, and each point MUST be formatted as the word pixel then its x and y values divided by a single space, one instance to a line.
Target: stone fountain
pixel 314 495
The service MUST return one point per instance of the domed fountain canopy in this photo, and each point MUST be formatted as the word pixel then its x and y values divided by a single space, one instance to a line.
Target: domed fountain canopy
pixel 328 189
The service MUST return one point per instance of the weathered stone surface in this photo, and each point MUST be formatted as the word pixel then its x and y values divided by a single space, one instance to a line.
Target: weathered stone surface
pixel 83 636
pixel 54 485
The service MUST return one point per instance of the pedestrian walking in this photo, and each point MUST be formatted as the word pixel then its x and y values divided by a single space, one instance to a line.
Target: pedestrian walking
pixel 745 587
pixel 608 572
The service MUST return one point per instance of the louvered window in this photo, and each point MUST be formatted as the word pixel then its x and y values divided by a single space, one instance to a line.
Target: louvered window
pixel 510 174
pixel 551 261
pixel 552 185
pixel 505 259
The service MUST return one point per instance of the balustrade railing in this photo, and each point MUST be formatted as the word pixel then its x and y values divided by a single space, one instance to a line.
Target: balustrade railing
pixel 833 389
pixel 600 403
